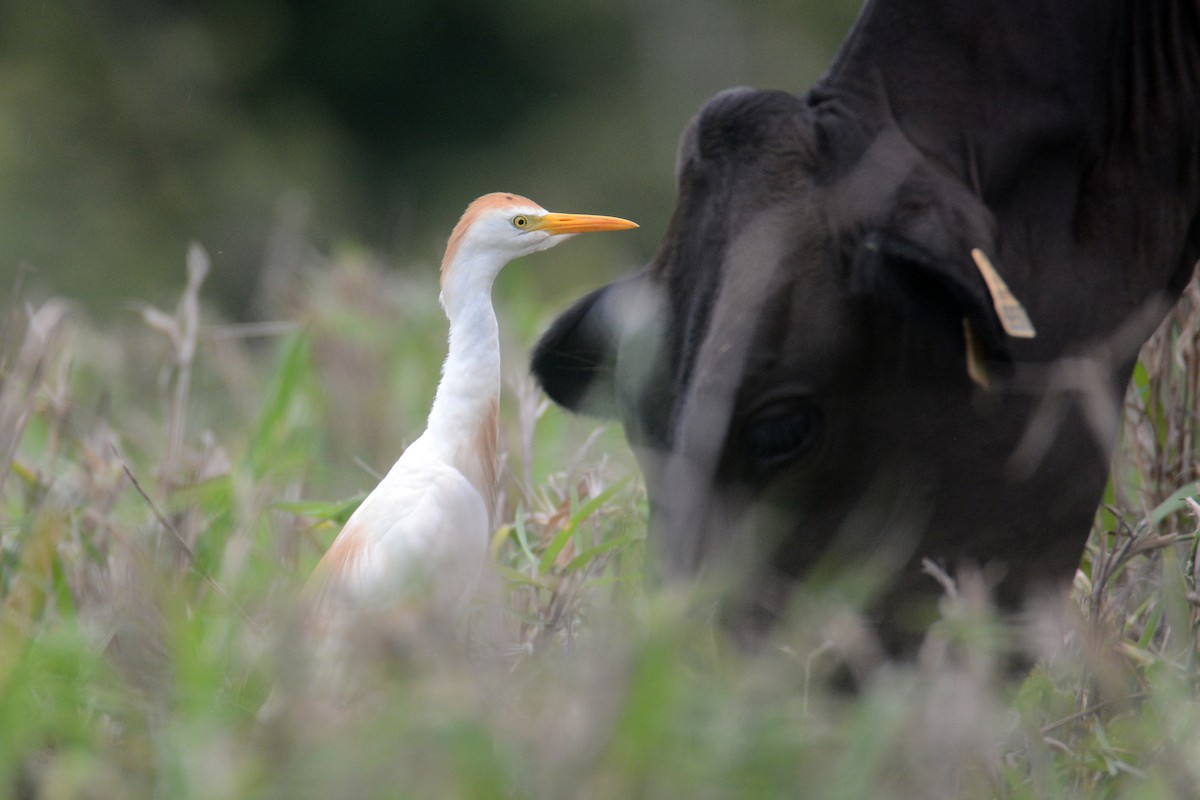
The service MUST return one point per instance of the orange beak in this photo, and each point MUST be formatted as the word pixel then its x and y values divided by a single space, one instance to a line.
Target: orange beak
pixel 579 223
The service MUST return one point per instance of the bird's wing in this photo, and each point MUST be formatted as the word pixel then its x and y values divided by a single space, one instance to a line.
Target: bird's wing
pixel 424 527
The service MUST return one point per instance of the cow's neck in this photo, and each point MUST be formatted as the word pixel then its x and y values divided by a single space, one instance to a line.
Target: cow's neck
pixel 1065 119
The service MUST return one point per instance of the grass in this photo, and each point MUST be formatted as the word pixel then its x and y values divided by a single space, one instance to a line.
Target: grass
pixel 167 483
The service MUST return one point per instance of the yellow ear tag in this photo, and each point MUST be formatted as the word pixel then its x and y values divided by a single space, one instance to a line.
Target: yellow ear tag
pixel 1012 314
pixel 976 365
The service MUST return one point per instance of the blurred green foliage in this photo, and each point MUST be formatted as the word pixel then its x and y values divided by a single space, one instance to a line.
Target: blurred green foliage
pixel 129 128
pixel 142 625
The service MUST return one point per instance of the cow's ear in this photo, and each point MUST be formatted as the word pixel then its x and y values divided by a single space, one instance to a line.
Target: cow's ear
pixel 575 360
pixel 963 296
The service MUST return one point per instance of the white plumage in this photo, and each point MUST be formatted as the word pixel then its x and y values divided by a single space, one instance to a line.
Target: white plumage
pixel 419 541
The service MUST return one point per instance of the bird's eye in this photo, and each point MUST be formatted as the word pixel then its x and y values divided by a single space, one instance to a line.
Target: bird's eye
pixel 520 221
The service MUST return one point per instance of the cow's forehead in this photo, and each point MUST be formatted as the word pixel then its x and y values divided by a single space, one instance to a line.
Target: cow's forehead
pixel 775 318
pixel 756 272
pixel 807 328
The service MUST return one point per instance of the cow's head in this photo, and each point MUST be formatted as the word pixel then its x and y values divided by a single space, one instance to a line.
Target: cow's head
pixel 798 368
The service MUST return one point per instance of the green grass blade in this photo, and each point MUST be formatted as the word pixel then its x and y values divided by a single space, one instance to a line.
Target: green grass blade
pixel 1174 504
pixel 337 511
pixel 564 535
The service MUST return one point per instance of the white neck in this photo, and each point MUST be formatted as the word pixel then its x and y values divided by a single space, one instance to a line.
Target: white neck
pixel 463 420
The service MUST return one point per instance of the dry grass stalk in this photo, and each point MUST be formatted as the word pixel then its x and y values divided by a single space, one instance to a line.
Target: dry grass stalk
pixel 182 330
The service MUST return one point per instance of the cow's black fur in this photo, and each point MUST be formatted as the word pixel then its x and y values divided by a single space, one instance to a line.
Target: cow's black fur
pixel 790 366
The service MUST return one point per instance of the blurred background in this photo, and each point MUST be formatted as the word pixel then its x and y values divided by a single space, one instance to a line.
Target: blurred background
pixel 129 127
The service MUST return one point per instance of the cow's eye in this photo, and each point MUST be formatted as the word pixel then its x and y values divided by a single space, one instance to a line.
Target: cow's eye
pixel 780 437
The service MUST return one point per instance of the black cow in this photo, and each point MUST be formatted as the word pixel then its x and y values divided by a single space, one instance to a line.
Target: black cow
pixel 812 370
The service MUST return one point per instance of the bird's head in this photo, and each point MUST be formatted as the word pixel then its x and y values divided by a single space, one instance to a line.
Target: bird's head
pixel 499 227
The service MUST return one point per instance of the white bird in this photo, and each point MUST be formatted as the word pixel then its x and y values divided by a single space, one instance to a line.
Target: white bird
pixel 421 537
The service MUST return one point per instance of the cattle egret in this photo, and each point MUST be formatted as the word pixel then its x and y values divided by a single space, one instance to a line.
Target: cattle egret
pixel 417 543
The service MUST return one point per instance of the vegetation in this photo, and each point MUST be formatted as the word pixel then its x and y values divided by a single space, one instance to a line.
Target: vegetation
pixel 168 478
pixel 169 481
